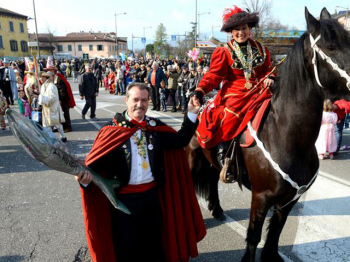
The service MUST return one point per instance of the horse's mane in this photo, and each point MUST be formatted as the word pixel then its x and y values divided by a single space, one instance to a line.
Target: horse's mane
pixel 293 73
pixel 331 29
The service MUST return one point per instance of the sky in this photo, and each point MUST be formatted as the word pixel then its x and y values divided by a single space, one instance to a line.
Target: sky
pixel 65 16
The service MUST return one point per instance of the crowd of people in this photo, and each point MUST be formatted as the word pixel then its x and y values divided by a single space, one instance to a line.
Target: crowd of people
pixel 44 96
pixel 167 78
pixel 149 153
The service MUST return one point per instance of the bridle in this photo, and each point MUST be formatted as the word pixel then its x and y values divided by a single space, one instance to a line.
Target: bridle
pixel 335 67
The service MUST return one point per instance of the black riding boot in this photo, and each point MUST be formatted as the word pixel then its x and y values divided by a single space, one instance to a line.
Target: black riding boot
pixel 222 151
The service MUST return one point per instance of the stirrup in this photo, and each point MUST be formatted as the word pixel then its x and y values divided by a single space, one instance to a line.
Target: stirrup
pixel 226 175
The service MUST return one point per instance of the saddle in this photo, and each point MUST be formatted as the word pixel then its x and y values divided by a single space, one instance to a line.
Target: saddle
pixel 246 140
pixel 235 160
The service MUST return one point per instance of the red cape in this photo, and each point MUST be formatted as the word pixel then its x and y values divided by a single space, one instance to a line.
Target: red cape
pixel 183 224
pixel 71 101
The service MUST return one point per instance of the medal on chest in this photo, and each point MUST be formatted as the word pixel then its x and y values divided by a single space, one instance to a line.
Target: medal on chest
pixel 141 149
pixel 247 62
pixel 248 85
pixel 144 165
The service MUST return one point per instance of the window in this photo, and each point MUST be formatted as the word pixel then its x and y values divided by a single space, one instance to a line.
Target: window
pixel 13 45
pixel 0 24
pixel 91 47
pixel 59 48
pixel 70 48
pixel 24 46
pixel 11 27
pixel 110 48
pixel 99 47
pixel 79 48
pixel 21 27
pixel 1 44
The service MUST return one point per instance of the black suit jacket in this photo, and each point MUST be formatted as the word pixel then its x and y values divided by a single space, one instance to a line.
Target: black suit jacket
pixel 117 163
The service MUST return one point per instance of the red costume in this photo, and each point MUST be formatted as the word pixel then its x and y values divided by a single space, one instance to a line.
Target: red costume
pixel 71 101
pixel 183 224
pixel 111 82
pixel 236 103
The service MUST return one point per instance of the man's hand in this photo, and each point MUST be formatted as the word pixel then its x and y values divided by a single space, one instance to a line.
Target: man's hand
pixel 96 94
pixel 81 97
pixel 194 105
pixel 84 177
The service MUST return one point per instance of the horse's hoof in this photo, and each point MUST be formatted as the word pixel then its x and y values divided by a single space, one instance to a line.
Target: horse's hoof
pixel 221 216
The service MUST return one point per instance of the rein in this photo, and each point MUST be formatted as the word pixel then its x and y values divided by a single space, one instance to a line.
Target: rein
pixel 300 189
pixel 335 67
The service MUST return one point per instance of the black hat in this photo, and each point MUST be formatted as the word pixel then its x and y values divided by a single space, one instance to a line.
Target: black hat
pixel 236 16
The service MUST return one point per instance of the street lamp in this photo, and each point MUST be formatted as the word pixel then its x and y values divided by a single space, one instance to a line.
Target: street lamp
pixel 116 31
pixel 207 13
pixel 346 15
pixel 36 30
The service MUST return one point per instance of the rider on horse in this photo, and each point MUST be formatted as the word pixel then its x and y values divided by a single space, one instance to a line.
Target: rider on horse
pixel 244 67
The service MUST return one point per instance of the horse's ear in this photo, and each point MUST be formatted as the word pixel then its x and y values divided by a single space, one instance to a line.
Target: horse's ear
pixel 312 23
pixel 325 14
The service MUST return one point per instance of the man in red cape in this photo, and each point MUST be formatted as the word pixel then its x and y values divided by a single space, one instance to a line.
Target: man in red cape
pixel 148 158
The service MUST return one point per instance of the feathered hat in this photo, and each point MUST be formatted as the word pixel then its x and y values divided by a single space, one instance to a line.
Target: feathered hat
pixel 236 16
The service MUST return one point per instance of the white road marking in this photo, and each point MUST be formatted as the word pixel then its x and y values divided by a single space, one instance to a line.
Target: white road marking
pixel 89 120
pixel 323 233
pixel 334 178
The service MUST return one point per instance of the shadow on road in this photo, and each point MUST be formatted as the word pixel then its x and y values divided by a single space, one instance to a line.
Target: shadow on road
pixel 14 258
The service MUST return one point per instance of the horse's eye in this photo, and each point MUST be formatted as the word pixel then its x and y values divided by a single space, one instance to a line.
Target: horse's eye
pixel 331 47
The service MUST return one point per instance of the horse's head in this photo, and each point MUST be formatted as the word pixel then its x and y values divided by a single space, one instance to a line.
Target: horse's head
pixel 327 49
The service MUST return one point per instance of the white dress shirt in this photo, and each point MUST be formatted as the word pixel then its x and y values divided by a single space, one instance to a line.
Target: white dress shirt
pixel 138 175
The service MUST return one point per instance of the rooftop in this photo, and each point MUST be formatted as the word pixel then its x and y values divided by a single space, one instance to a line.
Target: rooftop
pixel 4 11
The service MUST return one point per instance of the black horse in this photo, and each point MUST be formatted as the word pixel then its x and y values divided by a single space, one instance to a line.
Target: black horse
pixel 289 133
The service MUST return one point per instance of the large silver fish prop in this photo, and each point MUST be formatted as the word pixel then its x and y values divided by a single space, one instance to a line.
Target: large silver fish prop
pixel 45 147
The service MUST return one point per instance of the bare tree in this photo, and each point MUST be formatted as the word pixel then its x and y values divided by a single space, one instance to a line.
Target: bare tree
pixel 274 23
pixel 50 40
pixel 263 7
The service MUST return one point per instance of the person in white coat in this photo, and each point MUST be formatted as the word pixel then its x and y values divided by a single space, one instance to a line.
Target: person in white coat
pixel 52 115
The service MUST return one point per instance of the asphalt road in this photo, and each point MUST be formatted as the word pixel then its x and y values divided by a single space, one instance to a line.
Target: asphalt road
pixel 41 215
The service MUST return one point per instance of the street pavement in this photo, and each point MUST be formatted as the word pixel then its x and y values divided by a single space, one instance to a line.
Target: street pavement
pixel 41 215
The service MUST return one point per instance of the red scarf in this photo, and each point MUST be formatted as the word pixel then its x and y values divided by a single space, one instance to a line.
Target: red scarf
pixel 183 225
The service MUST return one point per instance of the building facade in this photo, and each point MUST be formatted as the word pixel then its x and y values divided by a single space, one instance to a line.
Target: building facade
pixel 13 35
pixel 96 45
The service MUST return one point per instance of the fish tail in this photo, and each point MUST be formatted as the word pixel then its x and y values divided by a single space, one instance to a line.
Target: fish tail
pixel 107 188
